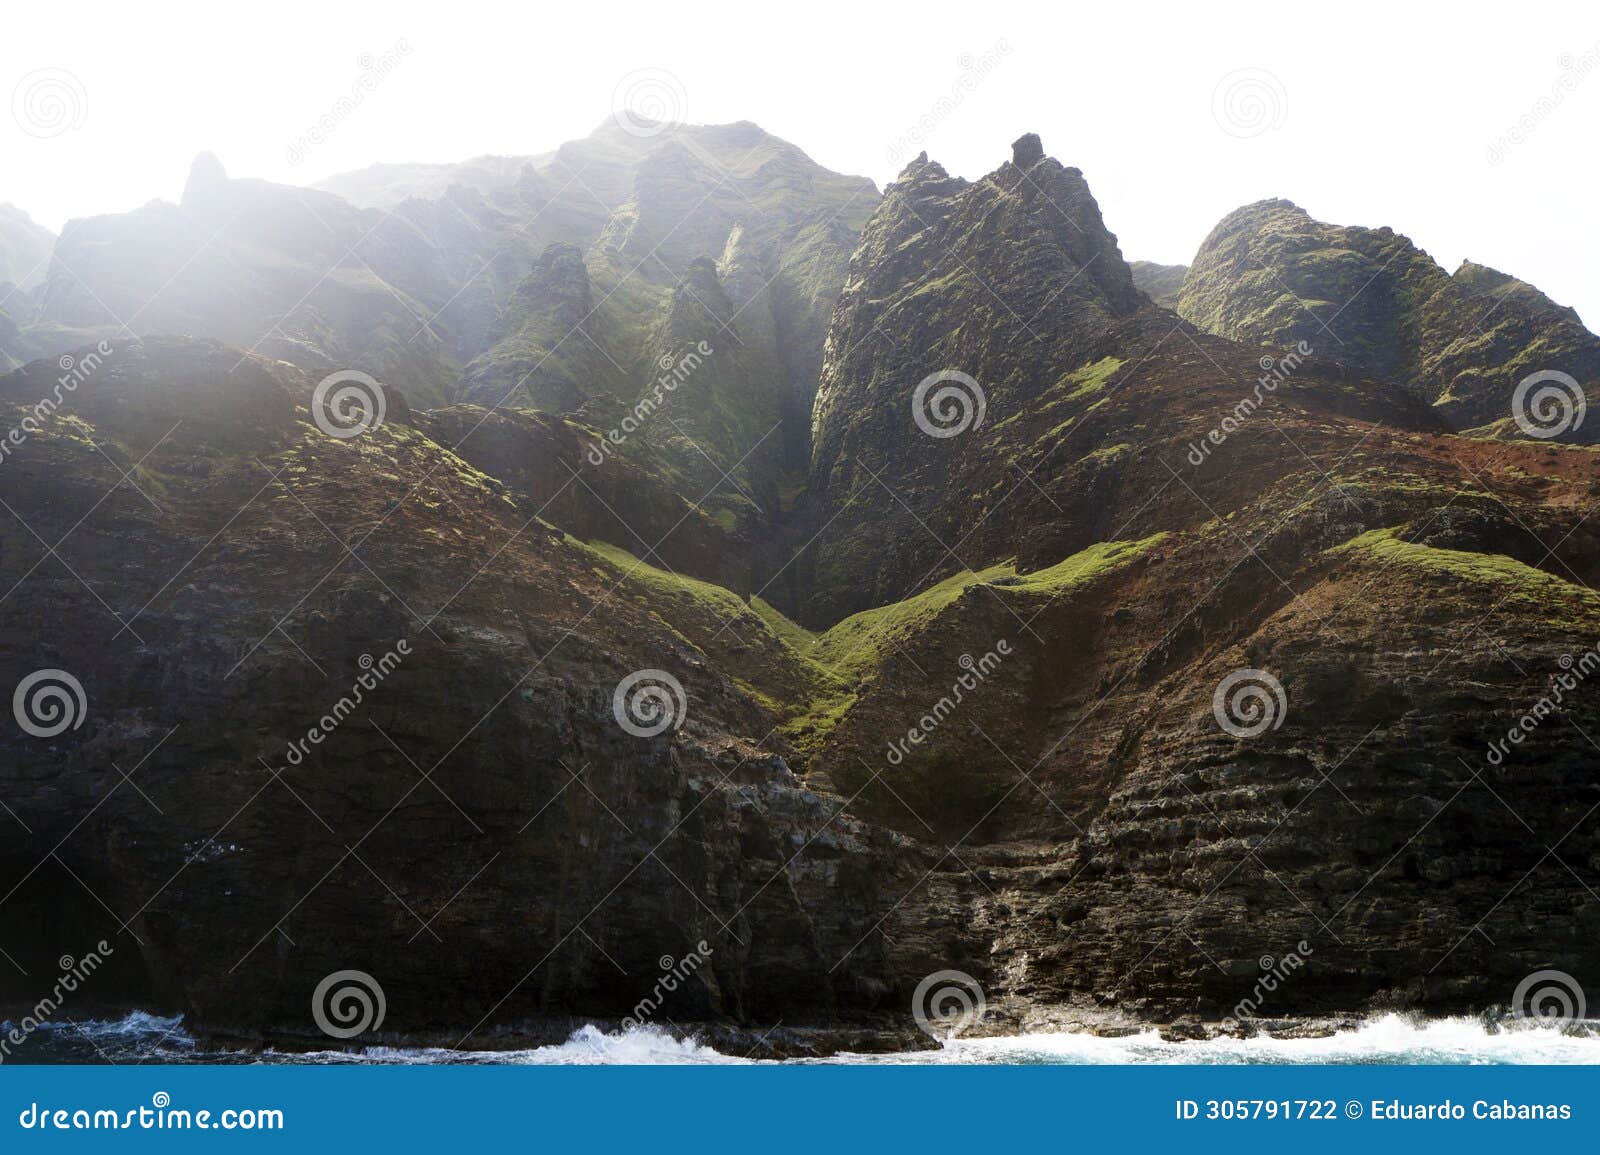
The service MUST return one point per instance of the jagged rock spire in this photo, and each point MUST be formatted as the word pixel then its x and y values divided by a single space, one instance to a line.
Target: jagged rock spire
pixel 206 176
pixel 1027 150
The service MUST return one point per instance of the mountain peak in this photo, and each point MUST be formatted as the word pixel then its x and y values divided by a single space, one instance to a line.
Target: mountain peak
pixel 920 168
pixel 10 211
pixel 1027 150
pixel 1271 274
pixel 206 176
pixel 701 275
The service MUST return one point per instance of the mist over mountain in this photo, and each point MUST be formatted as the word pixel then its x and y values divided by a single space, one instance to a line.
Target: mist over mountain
pixel 946 537
pixel 24 253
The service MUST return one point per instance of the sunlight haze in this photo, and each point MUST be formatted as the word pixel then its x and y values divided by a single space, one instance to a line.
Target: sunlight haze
pixel 1124 93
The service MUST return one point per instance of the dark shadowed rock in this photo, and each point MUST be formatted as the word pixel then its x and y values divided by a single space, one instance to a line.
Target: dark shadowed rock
pixel 459 599
pixel 1270 274
pixel 1027 150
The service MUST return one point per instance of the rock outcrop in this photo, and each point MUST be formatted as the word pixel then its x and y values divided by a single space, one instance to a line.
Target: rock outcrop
pixel 1269 274
pixel 548 352
pixel 1013 281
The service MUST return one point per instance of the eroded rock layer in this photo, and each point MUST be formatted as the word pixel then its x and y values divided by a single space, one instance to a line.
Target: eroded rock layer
pixel 1095 655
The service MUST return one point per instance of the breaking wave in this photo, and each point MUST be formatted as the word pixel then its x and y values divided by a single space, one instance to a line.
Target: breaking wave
pixel 1388 1039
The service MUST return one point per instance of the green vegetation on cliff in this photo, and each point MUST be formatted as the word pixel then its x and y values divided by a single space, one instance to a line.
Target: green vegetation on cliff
pixel 1270 274
pixel 810 678
pixel 1520 582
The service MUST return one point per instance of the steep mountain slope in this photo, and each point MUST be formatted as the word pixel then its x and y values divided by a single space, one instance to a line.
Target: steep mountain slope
pixel 1126 844
pixel 292 273
pixel 779 229
pixel 466 807
pixel 1269 274
pixel 24 248
pixel 1014 282
pixel 568 282
pixel 1100 657
pixel 387 186
pixel 1161 283
pixel 24 255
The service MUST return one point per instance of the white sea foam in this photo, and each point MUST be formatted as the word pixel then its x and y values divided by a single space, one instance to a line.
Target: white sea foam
pixel 132 1025
pixel 1386 1039
pixel 637 1046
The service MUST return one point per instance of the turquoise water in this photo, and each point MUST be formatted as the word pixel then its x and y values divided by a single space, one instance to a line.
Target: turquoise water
pixel 141 1038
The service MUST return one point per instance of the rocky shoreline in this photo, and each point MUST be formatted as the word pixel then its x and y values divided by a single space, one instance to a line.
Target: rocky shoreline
pixel 808 1042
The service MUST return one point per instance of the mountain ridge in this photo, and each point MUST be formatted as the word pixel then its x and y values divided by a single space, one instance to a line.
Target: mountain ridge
pixel 954 689
pixel 1271 274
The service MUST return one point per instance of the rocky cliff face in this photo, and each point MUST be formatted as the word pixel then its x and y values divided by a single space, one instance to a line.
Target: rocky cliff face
pixel 547 342
pixel 288 272
pixel 1012 282
pixel 24 257
pixel 1101 657
pixel 532 281
pixel 1161 283
pixel 717 233
pixel 1269 274
pixel 24 248
pixel 1129 846
pixel 496 866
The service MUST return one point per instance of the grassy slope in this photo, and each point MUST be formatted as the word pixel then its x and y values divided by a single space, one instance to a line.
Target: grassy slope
pixel 810 679
pixel 1520 582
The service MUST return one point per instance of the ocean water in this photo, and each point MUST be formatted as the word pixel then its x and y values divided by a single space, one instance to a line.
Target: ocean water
pixel 143 1038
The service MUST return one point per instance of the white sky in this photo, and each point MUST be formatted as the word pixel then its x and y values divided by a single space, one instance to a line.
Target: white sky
pixel 1387 113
